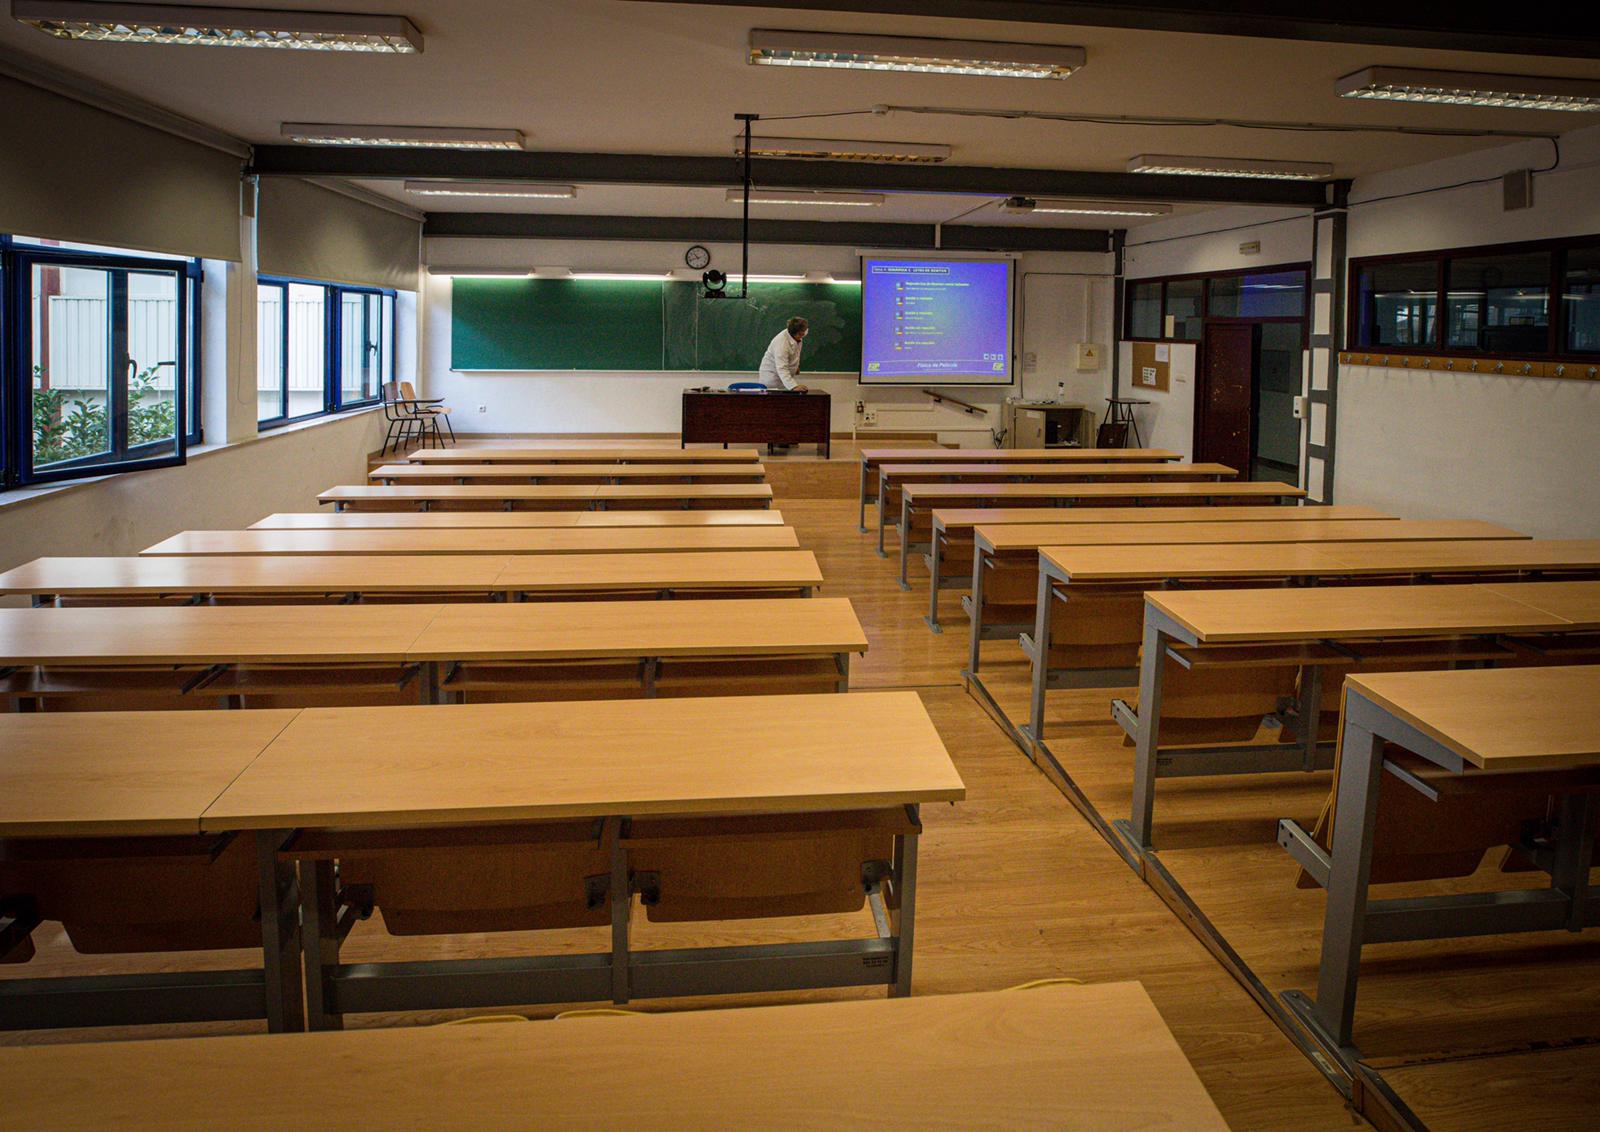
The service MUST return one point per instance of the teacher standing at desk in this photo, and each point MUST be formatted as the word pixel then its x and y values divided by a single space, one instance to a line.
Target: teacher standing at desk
pixel 781 362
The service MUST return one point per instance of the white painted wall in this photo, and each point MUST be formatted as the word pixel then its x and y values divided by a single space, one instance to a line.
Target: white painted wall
pixel 1168 421
pixel 1058 300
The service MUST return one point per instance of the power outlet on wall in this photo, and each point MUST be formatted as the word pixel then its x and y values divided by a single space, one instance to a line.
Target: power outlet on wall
pixel 483 408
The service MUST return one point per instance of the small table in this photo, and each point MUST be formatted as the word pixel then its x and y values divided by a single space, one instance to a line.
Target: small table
pixel 1119 410
pixel 769 418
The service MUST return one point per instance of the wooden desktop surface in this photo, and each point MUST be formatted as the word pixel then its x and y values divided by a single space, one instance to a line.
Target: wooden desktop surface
pixel 596 629
pixel 1578 602
pixel 876 456
pixel 434 470
pixel 532 761
pixel 1058 470
pixel 514 540
pixel 123 774
pixel 920 493
pixel 955 518
pixel 1023 537
pixel 1314 613
pixel 683 491
pixel 1498 718
pixel 548 492
pixel 471 454
pixel 395 573
pixel 1119 563
pixel 473 520
pixel 961 1061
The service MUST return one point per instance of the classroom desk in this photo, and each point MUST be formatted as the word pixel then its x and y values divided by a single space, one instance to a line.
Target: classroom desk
pixel 779 1067
pixel 918 499
pixel 126 775
pixel 1470 723
pixel 487 454
pixel 461 520
pixel 569 497
pixel 1325 626
pixel 357 577
pixel 610 762
pixel 515 540
pixel 434 472
pixel 891 477
pixel 1011 550
pixel 211 640
pixel 872 457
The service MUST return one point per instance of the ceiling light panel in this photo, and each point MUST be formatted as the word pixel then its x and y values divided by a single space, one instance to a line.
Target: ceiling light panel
pixel 840 149
pixel 510 189
pixel 220 27
pixel 1030 205
pixel 1466 88
pixel 781 196
pixel 1230 167
pixel 927 56
pixel 406 137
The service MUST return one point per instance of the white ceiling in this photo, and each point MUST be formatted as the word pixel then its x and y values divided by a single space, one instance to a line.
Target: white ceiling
pixel 619 76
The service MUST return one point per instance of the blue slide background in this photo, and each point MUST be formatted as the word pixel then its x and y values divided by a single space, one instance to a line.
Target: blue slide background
pixel 936 321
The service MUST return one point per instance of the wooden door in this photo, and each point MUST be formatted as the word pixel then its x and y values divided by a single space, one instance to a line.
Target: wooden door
pixel 1225 400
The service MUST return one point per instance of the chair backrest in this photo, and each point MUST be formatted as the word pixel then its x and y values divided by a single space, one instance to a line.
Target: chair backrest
pixel 390 392
pixel 408 391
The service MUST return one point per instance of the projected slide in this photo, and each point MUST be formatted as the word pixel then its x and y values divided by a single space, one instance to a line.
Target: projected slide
pixel 935 322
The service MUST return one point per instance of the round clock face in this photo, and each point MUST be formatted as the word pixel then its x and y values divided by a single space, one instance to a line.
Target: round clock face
pixel 697 257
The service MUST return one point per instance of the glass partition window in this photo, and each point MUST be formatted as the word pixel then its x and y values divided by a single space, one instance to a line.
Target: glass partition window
pixel 1499 304
pixel 1183 308
pixel 1144 310
pixel 1399 304
pixel 320 347
pixel 1276 294
pixel 1580 301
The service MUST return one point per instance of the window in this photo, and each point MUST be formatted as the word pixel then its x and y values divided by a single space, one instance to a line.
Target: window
pixel 103 347
pixel 1275 294
pixel 320 348
pixel 1494 301
pixel 1144 310
pixel 1182 306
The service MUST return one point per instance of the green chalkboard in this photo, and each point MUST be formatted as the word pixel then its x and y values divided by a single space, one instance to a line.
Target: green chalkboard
pixel 645 325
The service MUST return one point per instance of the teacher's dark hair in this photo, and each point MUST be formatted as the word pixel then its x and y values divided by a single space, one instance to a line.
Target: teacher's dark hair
pixel 796 325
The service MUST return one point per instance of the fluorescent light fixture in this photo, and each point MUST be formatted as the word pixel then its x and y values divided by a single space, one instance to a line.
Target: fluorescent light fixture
pixel 1026 206
pixel 839 149
pixel 220 27
pixel 520 189
pixel 480 272
pixel 1468 88
pixel 928 56
pixel 1230 167
pixel 799 196
pixel 655 277
pixel 405 137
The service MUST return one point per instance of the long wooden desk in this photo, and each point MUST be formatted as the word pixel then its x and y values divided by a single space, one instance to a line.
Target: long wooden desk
pixel 917 500
pixel 434 472
pixel 516 454
pixel 872 457
pixel 462 520
pixel 1324 626
pixel 1474 724
pixel 789 1067
pixel 515 540
pixel 611 763
pixel 513 497
pixel 1006 560
pixel 202 646
pixel 358 577
pixel 112 775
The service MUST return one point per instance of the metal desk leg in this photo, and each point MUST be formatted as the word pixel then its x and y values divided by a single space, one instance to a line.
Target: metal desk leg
pixel 905 879
pixel 882 514
pixel 905 550
pixel 933 581
pixel 319 915
pixel 621 913
pixel 1034 732
pixel 280 934
pixel 975 612
pixel 428 682
pixel 1356 807
pixel 1151 674
pixel 861 498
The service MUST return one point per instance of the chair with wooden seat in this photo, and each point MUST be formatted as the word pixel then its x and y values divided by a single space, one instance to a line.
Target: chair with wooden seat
pixel 428 412
pixel 402 423
pixel 102 688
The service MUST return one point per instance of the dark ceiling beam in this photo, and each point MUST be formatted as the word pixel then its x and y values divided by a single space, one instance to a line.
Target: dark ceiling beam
pixel 702 229
pixel 1560 30
pixel 379 163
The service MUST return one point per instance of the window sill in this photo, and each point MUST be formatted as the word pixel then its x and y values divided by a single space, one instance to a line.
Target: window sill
pixel 23 496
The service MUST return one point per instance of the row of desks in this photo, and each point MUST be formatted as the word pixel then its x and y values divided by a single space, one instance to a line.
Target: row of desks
pixel 442 520
pixel 355 574
pixel 546 496
pixel 477 540
pixel 508 454
pixel 435 472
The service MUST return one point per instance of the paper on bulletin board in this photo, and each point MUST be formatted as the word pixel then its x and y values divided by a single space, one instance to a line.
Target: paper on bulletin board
pixel 1163 352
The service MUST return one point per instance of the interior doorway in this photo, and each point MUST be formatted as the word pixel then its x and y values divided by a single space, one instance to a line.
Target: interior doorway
pixel 1249 375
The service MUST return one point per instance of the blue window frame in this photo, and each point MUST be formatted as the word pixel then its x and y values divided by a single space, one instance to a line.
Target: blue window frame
pixel 320 348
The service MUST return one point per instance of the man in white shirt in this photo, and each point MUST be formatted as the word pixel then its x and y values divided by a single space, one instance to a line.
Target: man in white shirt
pixel 781 362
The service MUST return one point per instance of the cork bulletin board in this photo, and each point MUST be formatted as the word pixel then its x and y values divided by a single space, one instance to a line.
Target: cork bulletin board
pixel 1152 366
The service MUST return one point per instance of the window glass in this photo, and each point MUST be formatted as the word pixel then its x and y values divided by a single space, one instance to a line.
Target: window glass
pixel 269 352
pixel 1499 303
pixel 1273 294
pixel 1580 301
pixel 71 364
pixel 1277 434
pixel 1183 307
pixel 1398 304
pixel 308 348
pixel 361 346
pixel 152 359
pixel 1144 310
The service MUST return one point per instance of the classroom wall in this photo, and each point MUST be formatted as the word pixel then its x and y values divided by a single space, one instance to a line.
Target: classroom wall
pixel 1057 302
pixel 1168 421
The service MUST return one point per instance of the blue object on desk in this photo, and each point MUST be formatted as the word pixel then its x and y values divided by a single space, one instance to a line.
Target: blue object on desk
pixel 747 387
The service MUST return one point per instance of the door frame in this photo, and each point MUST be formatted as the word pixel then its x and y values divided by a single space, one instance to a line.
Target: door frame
pixel 1202 380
